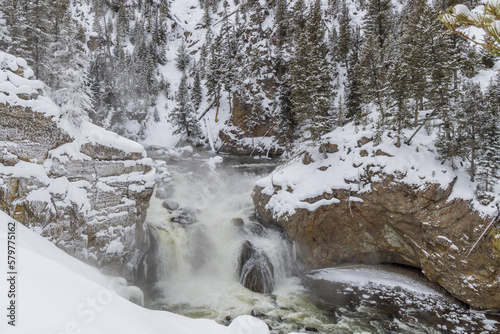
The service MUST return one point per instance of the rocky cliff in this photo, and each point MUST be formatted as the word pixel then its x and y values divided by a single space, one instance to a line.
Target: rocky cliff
pixel 84 188
pixel 379 216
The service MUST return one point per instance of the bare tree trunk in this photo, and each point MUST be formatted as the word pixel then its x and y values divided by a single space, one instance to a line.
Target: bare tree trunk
pixel 218 104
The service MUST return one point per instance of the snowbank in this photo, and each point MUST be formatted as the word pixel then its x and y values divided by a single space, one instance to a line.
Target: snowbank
pixel 18 88
pixel 59 294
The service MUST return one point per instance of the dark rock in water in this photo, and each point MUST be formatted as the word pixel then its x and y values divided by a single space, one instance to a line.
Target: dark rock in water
pixel 170 204
pixel 390 326
pixel 185 216
pixel 255 269
pixel 237 222
pixel 311 329
pixel 228 318
pixel 257 314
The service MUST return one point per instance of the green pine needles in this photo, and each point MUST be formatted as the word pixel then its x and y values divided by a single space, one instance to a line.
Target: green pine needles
pixel 460 16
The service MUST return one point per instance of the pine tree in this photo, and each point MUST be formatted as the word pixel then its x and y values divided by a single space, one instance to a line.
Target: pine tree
pixel 215 72
pixel 182 57
pixel 72 92
pixel 310 75
pixel 183 116
pixel 398 91
pixel 196 92
pixel 281 22
pixel 344 35
pixel 4 31
pixel 488 165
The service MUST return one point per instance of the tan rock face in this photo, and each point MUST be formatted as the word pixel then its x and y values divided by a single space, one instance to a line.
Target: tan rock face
pixel 400 223
pixel 27 134
pixel 93 208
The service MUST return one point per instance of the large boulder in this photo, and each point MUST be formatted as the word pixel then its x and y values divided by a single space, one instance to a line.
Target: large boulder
pixel 255 269
pixel 84 188
pixel 399 223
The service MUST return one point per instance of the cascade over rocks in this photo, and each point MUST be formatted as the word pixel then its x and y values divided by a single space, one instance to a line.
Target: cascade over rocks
pixel 87 192
pixel 399 223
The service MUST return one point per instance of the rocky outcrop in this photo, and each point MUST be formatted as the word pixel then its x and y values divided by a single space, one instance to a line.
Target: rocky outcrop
pixel 86 189
pixel 396 222
pixel 255 269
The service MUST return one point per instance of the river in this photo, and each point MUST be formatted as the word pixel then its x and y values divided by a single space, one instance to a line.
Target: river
pixel 201 216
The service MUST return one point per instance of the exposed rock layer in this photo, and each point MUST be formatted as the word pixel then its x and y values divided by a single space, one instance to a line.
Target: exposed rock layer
pixel 404 224
pixel 89 198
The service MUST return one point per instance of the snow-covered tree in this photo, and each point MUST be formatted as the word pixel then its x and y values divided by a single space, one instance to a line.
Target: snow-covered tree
pixel 310 74
pixel 183 116
pixel 4 31
pixel 182 57
pixel 196 91
pixel 71 90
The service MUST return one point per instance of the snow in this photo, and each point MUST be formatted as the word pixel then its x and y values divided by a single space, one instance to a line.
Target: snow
pixel 12 84
pixel 212 162
pixel 413 164
pixel 59 294
pixel 366 276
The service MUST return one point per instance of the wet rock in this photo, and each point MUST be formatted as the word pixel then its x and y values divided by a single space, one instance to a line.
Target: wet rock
pixel 228 318
pixel 237 222
pixel 255 269
pixel 170 204
pixel 390 326
pixel 311 329
pixel 257 314
pixel 184 216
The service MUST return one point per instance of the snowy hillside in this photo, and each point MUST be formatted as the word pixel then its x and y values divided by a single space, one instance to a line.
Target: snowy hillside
pixel 57 293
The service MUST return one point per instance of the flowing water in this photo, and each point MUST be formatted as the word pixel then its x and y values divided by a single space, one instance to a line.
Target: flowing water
pixel 201 217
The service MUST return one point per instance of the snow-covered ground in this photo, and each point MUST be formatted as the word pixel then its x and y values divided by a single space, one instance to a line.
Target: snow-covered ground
pixel 55 293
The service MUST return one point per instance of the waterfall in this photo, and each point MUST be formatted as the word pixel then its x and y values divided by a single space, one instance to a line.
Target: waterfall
pixel 204 224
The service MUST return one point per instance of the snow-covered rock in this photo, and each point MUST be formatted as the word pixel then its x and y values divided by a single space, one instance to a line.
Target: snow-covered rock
pixel 380 203
pixel 85 188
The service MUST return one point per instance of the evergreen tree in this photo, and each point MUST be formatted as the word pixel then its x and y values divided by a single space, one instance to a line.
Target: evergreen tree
pixel 183 116
pixel 281 22
pixel 398 91
pixel 215 72
pixel 488 166
pixel 72 92
pixel 182 57
pixel 4 31
pixel 196 92
pixel 344 35
pixel 310 81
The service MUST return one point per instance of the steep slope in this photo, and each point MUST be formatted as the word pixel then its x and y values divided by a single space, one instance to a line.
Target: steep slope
pixel 84 188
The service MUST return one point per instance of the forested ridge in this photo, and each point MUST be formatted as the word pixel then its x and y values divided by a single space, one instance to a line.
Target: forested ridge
pixel 288 70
